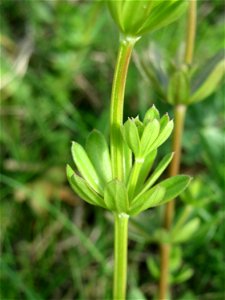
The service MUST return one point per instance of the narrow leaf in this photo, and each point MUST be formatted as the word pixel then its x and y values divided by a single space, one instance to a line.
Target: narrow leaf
pixel 98 152
pixel 204 71
pixel 158 171
pixel 145 169
pixel 116 197
pixel 127 161
pixel 148 199
pixel 151 114
pixel 82 189
pixel 166 128
pixel 151 132
pixel 86 168
pixel 210 84
pixel 130 135
pixel 174 186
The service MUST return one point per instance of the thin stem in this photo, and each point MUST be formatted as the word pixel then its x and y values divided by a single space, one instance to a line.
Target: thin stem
pixel 174 168
pixel 179 118
pixel 191 32
pixel 120 256
pixel 117 103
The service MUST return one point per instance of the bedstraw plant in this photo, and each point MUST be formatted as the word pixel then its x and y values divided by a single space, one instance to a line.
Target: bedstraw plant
pixel 116 176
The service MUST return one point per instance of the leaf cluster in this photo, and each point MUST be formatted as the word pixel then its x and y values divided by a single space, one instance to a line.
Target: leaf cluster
pixel 138 191
pixel 149 15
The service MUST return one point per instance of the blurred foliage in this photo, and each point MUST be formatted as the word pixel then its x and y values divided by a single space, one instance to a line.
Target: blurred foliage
pixel 57 61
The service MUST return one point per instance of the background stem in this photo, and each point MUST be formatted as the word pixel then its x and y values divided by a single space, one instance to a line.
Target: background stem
pixel 179 112
pixel 191 32
pixel 179 119
pixel 120 256
pixel 117 103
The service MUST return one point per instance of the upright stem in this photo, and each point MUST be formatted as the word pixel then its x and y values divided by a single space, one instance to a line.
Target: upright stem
pixel 120 256
pixel 117 103
pixel 179 112
pixel 116 120
pixel 179 118
pixel 191 32
pixel 174 168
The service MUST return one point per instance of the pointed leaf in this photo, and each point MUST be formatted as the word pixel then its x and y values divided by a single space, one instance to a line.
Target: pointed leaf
pixel 146 200
pixel 130 134
pixel 145 169
pixel 163 13
pixel 127 161
pixel 86 168
pixel 151 132
pixel 98 152
pixel 204 71
pixel 116 197
pixel 166 128
pixel 158 171
pixel 151 115
pixel 174 186
pixel 82 189
pixel 210 84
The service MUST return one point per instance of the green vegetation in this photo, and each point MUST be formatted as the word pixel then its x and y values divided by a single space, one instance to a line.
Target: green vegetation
pixel 57 61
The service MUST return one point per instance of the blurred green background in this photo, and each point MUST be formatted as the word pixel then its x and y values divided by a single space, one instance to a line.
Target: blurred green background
pixel 57 61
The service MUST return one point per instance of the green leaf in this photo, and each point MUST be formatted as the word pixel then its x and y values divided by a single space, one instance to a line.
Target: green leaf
pixel 86 168
pixel 164 13
pixel 133 21
pixel 174 186
pixel 151 198
pixel 210 84
pixel 116 197
pixel 151 115
pixel 130 134
pixel 98 152
pixel 158 171
pixel 153 267
pixel 203 72
pixel 186 232
pixel 166 128
pixel 127 161
pixel 149 136
pixel 183 276
pixel 82 189
pixel 145 169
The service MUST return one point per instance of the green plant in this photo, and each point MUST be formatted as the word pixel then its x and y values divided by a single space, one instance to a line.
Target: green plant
pixel 117 180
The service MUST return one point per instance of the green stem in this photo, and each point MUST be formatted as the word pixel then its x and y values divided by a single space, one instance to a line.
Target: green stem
pixel 117 103
pixel 120 256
